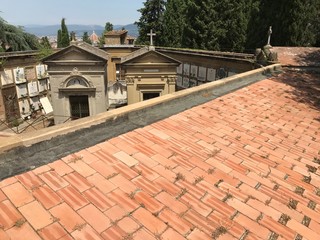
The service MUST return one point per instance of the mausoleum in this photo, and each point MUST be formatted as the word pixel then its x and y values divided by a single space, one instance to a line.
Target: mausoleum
pixel 78 81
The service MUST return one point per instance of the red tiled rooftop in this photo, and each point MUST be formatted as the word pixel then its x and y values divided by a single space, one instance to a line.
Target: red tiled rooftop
pixel 298 56
pixel 242 166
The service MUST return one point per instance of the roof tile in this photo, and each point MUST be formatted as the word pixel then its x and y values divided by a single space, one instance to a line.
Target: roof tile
pixel 149 221
pixel 94 217
pixel 247 163
pixel 67 217
pixel 36 215
pixel 52 231
pixel 17 194
pixel 9 216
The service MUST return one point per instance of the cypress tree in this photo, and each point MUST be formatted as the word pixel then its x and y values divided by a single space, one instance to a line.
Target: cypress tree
pixel 232 24
pixel 59 39
pixel 173 23
pixel 151 18
pixel 86 38
pixel 200 31
pixel 63 35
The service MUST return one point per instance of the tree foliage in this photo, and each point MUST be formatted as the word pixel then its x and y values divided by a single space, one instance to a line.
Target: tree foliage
pixel 86 38
pixel 174 23
pixel 16 39
pixel 151 18
pixel 108 27
pixel 201 31
pixel 294 23
pixel 228 25
pixel 63 35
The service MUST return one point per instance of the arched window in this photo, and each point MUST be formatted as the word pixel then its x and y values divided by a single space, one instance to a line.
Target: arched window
pixel 77 83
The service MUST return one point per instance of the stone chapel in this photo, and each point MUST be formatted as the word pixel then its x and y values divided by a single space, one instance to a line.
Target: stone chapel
pixel 78 81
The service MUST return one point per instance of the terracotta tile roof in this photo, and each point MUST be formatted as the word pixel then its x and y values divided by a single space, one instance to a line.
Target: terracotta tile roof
pixel 116 32
pixel 298 56
pixel 243 166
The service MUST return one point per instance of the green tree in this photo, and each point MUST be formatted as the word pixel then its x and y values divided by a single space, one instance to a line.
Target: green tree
pixel 86 38
pixel 45 48
pixel 108 27
pixel 151 18
pixel 232 24
pixel 63 35
pixel 45 42
pixel 173 23
pixel 294 23
pixel 59 39
pixel 15 38
pixel 200 31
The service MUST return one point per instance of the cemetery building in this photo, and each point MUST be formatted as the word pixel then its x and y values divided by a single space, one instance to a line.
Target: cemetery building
pixel 86 80
pixel 148 74
pixel 116 37
pixel 78 81
pixel 24 83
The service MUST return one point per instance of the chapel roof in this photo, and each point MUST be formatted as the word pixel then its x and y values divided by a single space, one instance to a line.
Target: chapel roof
pixel 143 51
pixel 83 46
pixel 116 32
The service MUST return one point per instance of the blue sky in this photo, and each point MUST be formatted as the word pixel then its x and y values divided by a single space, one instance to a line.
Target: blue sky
pixel 89 12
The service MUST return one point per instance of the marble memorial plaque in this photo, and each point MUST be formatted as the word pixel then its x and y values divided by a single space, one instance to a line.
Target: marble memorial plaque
pixel 6 77
pixel 42 85
pixel 35 101
pixel 19 75
pixel 186 69
pixel 33 88
pixel 41 71
pixel 211 75
pixel 22 90
pixel 47 107
pixel 202 74
pixel 194 71
pixel 185 82
pixel 179 81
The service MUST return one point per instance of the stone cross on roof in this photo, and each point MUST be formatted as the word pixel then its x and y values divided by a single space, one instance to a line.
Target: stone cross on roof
pixel 269 35
pixel 151 34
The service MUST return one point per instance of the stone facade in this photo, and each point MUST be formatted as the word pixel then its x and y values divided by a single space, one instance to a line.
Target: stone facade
pixel 23 83
pixel 78 81
pixel 148 74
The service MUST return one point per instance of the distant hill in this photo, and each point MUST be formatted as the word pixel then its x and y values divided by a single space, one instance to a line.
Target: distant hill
pixel 51 30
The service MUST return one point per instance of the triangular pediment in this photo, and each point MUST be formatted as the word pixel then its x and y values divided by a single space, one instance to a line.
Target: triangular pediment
pixel 78 53
pixel 151 57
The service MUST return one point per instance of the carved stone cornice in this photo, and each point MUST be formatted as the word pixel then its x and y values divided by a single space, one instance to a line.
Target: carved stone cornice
pixel 130 79
pixel 171 79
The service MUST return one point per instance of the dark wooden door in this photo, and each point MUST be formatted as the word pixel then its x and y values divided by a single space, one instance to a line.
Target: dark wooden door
pixel 79 106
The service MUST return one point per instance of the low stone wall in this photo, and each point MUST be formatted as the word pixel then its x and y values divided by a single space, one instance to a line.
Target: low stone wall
pixel 26 151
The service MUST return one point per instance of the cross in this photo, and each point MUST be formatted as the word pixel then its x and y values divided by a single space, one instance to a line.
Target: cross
pixel 151 37
pixel 269 35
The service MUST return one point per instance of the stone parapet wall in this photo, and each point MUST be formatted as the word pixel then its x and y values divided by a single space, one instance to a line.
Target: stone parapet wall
pixel 29 150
